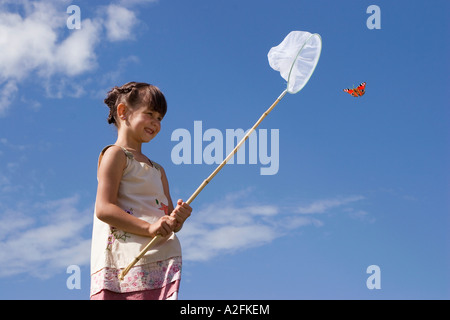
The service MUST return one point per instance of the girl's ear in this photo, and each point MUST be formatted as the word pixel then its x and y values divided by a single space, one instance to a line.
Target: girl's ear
pixel 122 111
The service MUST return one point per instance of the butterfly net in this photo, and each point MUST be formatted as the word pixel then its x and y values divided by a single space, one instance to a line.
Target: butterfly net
pixel 296 58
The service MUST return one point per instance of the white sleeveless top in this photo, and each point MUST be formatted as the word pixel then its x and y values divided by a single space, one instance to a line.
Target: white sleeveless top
pixel 140 194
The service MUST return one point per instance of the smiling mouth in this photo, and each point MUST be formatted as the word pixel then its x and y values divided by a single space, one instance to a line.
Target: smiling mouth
pixel 149 131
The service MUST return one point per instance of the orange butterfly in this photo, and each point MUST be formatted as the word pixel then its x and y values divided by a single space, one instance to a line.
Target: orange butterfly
pixel 358 91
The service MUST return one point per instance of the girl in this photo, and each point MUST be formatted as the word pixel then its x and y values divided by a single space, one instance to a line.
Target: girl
pixel 133 205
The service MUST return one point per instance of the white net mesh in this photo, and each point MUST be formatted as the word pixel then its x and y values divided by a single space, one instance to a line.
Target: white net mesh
pixel 296 58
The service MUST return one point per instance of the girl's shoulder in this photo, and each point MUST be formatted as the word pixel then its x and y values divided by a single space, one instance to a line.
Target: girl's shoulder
pixel 114 154
pixel 115 149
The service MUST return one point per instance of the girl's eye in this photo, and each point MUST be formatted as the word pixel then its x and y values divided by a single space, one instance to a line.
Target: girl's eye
pixel 151 115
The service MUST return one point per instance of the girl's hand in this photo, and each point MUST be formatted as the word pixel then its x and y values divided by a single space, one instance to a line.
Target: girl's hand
pixel 163 227
pixel 181 213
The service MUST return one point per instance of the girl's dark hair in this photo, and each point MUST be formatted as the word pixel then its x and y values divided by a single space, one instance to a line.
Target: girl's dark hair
pixel 133 94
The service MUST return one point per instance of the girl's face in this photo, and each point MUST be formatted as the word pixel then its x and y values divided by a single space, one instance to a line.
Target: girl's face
pixel 144 123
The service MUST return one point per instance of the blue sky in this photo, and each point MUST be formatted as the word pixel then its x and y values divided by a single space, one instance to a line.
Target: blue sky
pixel 360 181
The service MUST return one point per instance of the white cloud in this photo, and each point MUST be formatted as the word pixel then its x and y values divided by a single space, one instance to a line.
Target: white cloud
pixel 40 42
pixel 45 238
pixel 227 226
pixel 7 95
pixel 76 53
pixel 119 23
pixel 321 206
pixel 28 43
pixel 35 40
pixel 360 215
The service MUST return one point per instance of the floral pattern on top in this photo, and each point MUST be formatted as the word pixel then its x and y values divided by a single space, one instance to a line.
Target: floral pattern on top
pixel 162 207
pixel 117 234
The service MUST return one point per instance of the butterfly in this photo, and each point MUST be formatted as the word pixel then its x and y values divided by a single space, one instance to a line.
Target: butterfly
pixel 358 91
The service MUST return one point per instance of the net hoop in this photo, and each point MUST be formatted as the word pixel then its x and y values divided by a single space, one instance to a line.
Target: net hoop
pixel 296 58
pixel 315 64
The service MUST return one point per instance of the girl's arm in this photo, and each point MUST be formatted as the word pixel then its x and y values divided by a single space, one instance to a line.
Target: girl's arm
pixel 110 172
pixel 182 211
